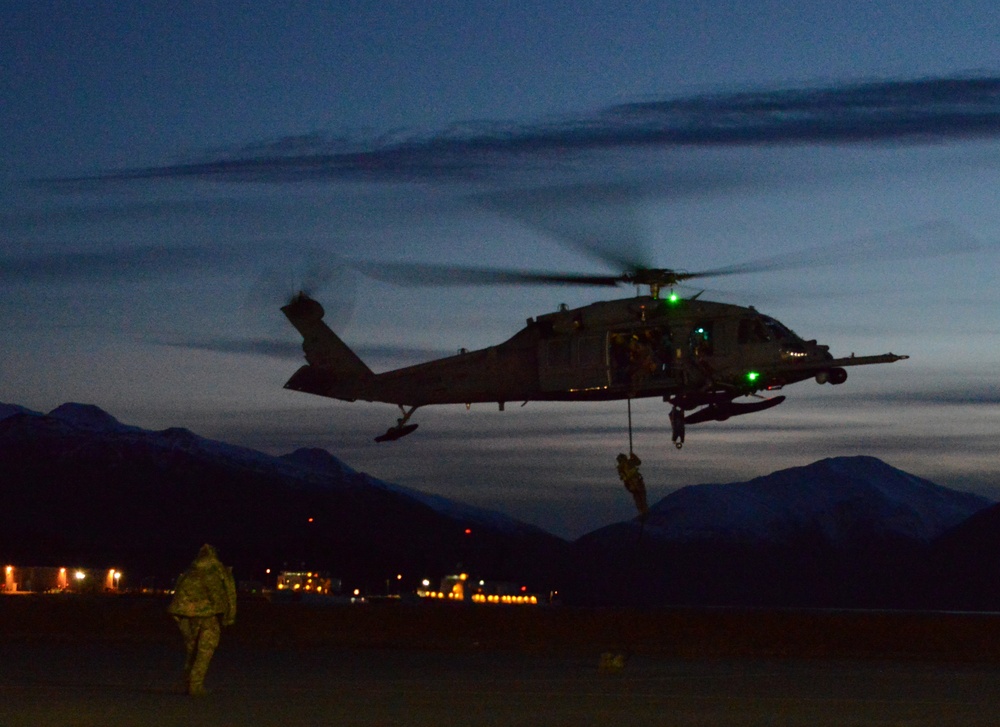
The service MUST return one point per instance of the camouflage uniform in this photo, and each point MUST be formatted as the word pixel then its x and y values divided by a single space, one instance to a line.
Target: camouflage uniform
pixel 628 471
pixel 204 594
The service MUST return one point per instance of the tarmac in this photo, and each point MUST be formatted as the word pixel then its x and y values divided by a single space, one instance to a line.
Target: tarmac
pixel 79 685
pixel 118 663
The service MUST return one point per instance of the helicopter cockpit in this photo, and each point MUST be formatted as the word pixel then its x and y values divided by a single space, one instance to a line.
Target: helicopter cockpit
pixel 778 330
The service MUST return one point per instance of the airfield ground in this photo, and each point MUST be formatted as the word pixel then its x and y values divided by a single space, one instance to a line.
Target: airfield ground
pixel 115 660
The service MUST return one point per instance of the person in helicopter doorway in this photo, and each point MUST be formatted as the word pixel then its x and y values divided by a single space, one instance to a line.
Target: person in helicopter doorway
pixel 204 596
pixel 628 471
pixel 642 361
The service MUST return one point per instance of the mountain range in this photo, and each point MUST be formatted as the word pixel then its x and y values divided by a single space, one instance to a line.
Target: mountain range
pixel 80 487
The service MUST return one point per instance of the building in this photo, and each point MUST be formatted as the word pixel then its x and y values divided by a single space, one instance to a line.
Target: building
pixel 308 582
pixel 460 588
pixel 45 579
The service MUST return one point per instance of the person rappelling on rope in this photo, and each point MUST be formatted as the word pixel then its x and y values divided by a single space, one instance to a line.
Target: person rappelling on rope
pixel 628 471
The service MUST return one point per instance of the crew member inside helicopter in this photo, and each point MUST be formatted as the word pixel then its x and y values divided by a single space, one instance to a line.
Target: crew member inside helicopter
pixel 639 356
pixel 700 344
pixel 642 362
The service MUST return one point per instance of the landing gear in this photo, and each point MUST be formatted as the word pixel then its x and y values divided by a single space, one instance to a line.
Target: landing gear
pixel 401 429
pixel 677 426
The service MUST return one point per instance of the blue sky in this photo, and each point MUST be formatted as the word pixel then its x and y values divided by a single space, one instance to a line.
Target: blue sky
pixel 170 168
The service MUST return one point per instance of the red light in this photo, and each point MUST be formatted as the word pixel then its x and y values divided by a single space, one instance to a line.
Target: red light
pixel 310 519
pixel 468 531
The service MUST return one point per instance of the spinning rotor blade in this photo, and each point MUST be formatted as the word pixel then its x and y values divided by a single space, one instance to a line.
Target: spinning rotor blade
pixel 927 240
pixel 286 350
pixel 931 239
pixel 600 220
pixel 418 274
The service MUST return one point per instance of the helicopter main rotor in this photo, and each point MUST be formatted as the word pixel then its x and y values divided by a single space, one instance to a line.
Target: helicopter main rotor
pixel 419 274
pixel 931 239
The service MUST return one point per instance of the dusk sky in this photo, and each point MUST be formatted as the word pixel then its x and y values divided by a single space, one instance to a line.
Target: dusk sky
pixel 171 171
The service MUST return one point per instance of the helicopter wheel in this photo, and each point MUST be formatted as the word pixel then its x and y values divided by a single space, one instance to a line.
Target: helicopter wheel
pixel 401 429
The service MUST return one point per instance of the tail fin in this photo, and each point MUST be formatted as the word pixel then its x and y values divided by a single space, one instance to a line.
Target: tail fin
pixel 334 369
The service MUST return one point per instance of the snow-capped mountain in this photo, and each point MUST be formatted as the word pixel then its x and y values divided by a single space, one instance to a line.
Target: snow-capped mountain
pixel 838 499
pixel 843 532
pixel 78 484
pixel 315 467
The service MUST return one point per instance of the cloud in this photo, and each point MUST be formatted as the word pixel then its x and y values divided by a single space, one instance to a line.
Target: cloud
pixel 974 394
pixel 115 263
pixel 914 111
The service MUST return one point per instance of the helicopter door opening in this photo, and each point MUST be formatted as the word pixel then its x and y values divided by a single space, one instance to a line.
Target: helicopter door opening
pixel 641 356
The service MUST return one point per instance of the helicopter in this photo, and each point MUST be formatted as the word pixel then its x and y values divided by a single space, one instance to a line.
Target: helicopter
pixel 699 356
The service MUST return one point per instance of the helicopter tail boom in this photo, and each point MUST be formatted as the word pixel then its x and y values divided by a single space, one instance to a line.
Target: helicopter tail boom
pixel 334 370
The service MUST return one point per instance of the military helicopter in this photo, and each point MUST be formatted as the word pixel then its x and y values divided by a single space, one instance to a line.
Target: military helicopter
pixel 699 356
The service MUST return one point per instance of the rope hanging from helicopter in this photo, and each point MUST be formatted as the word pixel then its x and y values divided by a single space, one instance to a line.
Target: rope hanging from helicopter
pixel 630 452
pixel 628 471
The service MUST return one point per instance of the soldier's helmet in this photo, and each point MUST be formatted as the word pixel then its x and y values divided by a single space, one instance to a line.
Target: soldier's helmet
pixel 207 552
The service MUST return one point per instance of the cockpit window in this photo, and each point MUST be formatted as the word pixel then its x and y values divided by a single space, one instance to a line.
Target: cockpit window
pixel 779 331
pixel 751 330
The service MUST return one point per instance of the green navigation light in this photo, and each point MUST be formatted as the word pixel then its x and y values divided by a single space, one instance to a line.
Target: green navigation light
pixel 752 376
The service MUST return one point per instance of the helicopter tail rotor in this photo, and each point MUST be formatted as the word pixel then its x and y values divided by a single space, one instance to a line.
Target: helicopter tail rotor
pixel 309 273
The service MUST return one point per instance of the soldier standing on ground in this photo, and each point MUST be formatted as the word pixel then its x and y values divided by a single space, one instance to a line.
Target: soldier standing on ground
pixel 205 594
